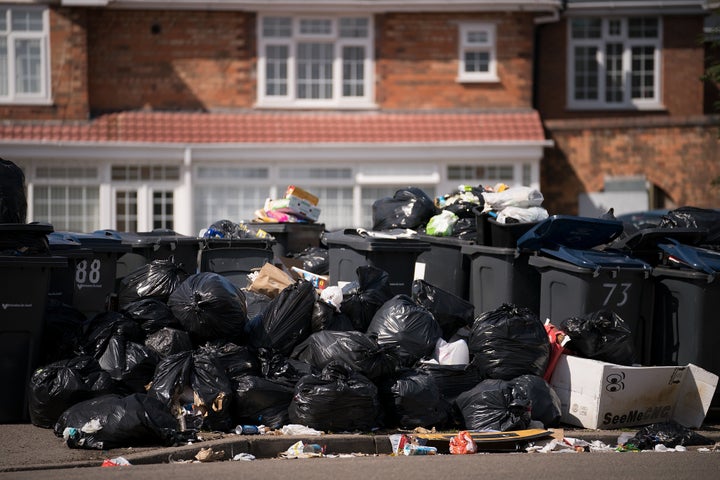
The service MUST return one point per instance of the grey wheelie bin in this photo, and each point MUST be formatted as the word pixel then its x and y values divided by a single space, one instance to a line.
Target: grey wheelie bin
pixel 24 287
pixel 686 327
pixel 445 265
pixel 348 249
pixel 577 276
pixel 235 258
pixel 158 244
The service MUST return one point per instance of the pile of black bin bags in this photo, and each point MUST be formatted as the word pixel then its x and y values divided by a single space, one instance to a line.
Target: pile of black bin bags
pixel 185 353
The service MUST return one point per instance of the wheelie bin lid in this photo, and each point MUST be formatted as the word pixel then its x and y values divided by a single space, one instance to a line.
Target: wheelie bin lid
pixel 149 239
pixel 364 240
pixel 571 239
pixel 571 232
pixel 650 238
pixel 699 259
pixel 97 242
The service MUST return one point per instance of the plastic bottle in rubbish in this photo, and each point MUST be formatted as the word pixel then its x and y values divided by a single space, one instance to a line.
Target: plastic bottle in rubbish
pixel 412 449
pixel 312 448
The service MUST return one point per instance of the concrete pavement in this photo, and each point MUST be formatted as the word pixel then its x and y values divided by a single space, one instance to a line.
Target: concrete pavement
pixel 27 447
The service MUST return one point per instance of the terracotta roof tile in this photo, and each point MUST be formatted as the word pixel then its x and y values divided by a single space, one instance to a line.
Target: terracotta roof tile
pixel 271 127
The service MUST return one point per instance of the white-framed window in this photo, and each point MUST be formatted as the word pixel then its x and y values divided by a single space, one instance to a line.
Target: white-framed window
pixel 614 62
pixel 24 55
pixel 477 53
pixel 67 197
pixel 322 61
pixel 144 196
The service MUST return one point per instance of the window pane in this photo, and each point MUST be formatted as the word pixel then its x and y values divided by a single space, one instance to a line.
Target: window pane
pixel 315 26
pixel 126 211
pixel 26 20
pixel 353 71
pixel 75 209
pixel 477 61
pixel 3 19
pixel 586 73
pixel 586 28
pixel 276 72
pixel 614 73
pixel 354 27
pixel 643 27
pixel 163 209
pixel 231 202
pixel 314 70
pixel 477 37
pixel 279 27
pixel 643 72
pixel 3 67
pixel 28 63
pixel 614 27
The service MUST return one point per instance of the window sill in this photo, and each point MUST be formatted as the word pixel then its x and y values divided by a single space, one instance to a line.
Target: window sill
pixel 488 79
pixel 617 108
pixel 27 102
pixel 311 106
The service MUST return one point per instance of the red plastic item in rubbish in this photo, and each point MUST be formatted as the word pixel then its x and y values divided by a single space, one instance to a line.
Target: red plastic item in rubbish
pixel 462 443
pixel 558 340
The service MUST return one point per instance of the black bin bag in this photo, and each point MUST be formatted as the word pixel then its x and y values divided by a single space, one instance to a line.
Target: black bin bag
pixel 326 317
pixel 337 400
pixel 151 313
pixel 366 295
pixel 210 307
pixel 286 320
pixel 118 344
pixel 695 218
pixel 408 329
pixel 450 311
pixel 417 402
pixel 261 401
pixel 508 342
pixel 490 405
pixel 157 279
pixel 544 402
pixel 601 335
pixel 13 202
pixel 670 434
pixel 58 386
pixel 115 421
pixel 355 349
pixel 196 390
pixel 168 341
pixel 409 208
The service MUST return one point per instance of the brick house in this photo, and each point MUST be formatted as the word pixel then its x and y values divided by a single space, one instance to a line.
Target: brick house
pixel 133 115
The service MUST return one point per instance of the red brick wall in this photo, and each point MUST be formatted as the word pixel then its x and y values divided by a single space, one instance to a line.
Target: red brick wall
pixel 682 67
pixel 681 157
pixel 193 61
pixel 68 53
pixel 417 62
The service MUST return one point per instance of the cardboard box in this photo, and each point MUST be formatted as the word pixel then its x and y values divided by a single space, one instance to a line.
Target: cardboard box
pixel 603 395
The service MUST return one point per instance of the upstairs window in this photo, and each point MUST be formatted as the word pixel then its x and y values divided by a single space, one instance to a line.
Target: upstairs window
pixel 315 61
pixel 614 62
pixel 477 56
pixel 24 40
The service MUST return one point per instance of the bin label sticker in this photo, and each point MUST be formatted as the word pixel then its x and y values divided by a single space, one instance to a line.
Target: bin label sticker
pixel 621 288
pixel 87 275
pixel 5 306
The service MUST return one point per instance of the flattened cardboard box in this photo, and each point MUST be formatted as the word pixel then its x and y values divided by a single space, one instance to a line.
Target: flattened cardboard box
pixel 603 395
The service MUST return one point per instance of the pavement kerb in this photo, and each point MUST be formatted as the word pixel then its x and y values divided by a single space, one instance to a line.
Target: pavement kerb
pixel 271 446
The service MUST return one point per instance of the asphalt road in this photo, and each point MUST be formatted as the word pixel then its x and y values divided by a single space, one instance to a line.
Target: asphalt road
pixel 575 466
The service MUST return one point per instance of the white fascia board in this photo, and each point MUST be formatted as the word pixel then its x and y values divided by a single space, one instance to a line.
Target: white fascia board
pixel 678 7
pixel 329 5
pixel 336 152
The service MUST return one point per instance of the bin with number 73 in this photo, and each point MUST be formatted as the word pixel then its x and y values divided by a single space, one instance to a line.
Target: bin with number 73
pixel 579 275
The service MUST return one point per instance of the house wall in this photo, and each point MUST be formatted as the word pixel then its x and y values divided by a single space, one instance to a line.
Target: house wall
pixel 676 148
pixel 680 156
pixel 170 60
pixel 69 71
pixel 417 62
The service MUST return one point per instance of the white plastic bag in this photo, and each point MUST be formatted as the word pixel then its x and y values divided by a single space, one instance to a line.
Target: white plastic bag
pixel 513 197
pixel 522 215
pixel 455 353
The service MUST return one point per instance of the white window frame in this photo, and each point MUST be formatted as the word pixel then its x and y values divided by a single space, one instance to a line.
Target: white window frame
pixel 337 100
pixel 43 97
pixel 628 43
pixel 465 45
